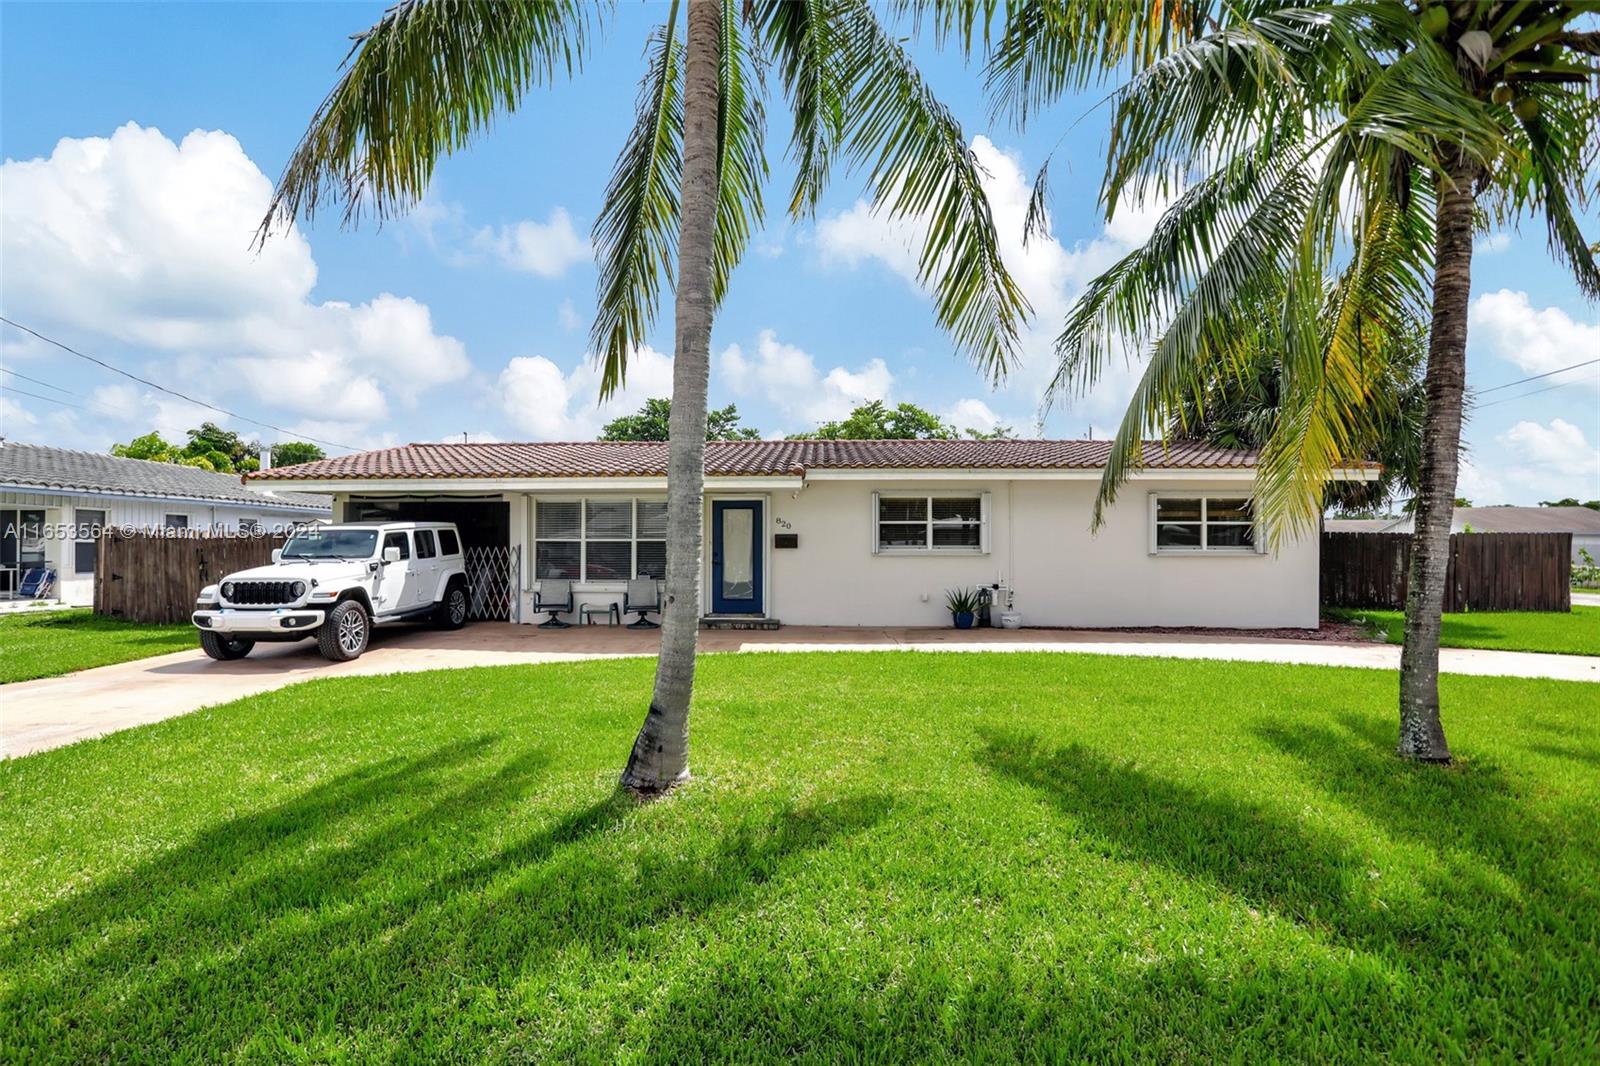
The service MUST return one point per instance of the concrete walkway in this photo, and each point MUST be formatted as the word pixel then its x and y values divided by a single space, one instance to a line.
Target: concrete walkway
pixel 1586 599
pixel 50 712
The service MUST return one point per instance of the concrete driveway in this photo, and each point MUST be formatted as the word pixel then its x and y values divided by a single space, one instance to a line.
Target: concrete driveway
pixel 50 712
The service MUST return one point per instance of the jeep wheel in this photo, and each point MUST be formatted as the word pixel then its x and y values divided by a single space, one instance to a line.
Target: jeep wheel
pixel 452 612
pixel 344 635
pixel 224 649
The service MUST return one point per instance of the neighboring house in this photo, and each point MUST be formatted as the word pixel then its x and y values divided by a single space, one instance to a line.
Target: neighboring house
pixel 54 502
pixel 867 533
pixel 1582 522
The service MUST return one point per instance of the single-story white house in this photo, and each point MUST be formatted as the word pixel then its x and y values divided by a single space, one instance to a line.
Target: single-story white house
pixel 1582 522
pixel 858 533
pixel 55 501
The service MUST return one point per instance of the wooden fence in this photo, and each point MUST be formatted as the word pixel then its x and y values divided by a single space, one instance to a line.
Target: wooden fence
pixel 1487 571
pixel 148 577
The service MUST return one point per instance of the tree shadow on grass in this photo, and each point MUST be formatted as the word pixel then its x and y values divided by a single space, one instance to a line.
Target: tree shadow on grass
pixel 368 910
pixel 1492 903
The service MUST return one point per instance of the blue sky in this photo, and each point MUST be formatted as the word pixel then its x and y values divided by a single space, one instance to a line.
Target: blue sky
pixel 140 142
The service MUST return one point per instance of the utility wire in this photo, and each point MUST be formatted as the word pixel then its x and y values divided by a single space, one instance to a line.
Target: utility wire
pixel 36 396
pixel 1525 395
pixel 1536 377
pixel 172 392
pixel 36 381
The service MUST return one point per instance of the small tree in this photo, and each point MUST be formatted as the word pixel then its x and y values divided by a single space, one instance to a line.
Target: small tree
pixel 651 422
pixel 874 421
pixel 151 447
pixel 291 452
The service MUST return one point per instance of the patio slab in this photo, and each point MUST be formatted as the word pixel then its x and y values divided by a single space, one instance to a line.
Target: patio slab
pixel 50 712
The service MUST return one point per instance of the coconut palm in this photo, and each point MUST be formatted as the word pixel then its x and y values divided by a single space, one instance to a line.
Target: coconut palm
pixel 1339 155
pixel 684 198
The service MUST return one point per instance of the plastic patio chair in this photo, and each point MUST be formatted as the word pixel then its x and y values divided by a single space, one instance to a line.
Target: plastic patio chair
pixel 643 595
pixel 555 597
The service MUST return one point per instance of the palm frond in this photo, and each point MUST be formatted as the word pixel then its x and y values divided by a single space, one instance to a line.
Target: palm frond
pixel 920 168
pixel 418 85
pixel 1048 48
pixel 804 39
pixel 636 233
pixel 741 147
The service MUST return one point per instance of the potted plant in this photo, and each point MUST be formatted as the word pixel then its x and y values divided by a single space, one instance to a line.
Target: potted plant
pixel 963 604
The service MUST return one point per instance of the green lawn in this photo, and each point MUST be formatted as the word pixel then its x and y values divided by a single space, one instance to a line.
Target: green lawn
pixel 887 856
pixel 45 644
pixel 1577 633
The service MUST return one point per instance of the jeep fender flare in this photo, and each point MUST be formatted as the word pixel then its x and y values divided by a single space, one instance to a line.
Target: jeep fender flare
pixel 357 594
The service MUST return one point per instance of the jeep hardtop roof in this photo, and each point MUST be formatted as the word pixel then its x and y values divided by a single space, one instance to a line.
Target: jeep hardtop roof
pixel 391 524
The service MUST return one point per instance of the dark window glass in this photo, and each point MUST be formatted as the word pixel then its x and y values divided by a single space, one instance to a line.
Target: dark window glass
pixel 1223 536
pixel 957 509
pixel 424 543
pixel 609 560
pixel 448 545
pixel 556 558
pixel 903 535
pixel 962 536
pixel 397 540
pixel 652 558
pixel 83 553
pixel 1177 510
pixel 1178 535
pixel 177 521
pixel 903 509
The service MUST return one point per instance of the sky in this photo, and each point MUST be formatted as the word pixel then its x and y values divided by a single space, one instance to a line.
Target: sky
pixel 141 142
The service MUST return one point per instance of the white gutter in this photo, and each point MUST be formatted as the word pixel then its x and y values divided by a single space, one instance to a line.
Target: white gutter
pixel 265 502
pixel 534 485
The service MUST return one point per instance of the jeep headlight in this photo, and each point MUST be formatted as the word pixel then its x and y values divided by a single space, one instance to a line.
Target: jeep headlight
pixel 227 590
pixel 298 589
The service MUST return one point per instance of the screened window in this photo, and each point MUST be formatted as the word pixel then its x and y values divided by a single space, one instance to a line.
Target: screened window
pixel 448 544
pixel 930 523
pixel 600 539
pixel 1204 523
pixel 87 532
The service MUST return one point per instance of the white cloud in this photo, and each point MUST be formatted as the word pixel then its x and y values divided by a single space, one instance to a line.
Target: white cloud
pixel 1532 461
pixel 1535 340
pixel 149 243
pixel 567 315
pixel 546 248
pixel 547 403
pixel 1492 243
pixel 788 378
pixel 971 413
pixel 1050 273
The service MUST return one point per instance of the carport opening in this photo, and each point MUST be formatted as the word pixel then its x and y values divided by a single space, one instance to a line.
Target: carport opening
pixel 494 570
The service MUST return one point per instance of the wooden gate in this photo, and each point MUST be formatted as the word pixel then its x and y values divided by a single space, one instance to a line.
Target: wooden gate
pixel 1487 571
pixel 155 576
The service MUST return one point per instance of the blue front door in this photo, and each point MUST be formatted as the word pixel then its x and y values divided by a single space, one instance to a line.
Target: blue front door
pixel 736 557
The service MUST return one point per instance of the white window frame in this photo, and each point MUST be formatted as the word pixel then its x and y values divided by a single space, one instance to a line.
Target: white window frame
pixel 1256 547
pixel 632 540
pixel 929 548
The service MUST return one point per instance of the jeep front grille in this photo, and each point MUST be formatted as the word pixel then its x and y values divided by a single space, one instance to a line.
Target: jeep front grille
pixel 261 593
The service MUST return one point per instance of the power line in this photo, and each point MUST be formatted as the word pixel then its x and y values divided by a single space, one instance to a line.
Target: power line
pixel 1536 377
pixel 36 381
pixel 172 392
pixel 1525 395
pixel 36 396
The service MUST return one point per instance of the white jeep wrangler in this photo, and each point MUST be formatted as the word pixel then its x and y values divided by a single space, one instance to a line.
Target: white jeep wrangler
pixel 335 583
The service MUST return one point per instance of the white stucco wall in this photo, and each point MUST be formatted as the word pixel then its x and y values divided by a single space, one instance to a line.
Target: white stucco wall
pixel 1040 544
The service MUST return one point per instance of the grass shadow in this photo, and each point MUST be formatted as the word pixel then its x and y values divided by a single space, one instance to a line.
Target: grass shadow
pixel 372 903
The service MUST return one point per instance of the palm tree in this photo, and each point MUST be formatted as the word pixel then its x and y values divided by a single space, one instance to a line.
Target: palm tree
pixel 1339 155
pixel 682 202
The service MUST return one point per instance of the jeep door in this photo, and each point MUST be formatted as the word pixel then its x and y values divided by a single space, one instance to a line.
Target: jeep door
pixel 394 579
pixel 426 568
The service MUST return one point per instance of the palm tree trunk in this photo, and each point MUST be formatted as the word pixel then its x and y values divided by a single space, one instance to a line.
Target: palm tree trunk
pixel 660 757
pixel 1421 731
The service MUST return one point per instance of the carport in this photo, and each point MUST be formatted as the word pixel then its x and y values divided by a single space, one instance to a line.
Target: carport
pixel 494 564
